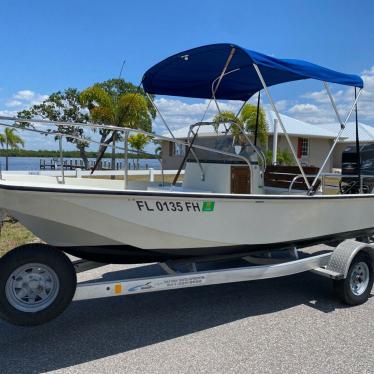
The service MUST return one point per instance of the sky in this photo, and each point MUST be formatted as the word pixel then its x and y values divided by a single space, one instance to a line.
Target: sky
pixel 48 46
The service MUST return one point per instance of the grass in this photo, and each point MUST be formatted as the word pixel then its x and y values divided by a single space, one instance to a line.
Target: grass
pixel 331 185
pixel 13 234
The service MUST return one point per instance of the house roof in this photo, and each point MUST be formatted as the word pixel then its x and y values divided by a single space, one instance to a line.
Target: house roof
pixel 297 127
pixel 204 131
pixel 293 126
pixel 365 132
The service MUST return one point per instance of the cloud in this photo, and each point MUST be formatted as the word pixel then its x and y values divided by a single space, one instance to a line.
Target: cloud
pixel 312 107
pixel 13 103
pixel 8 113
pixel 303 108
pixel 24 99
pixel 24 95
pixel 281 104
pixel 366 101
pixel 315 107
pixel 21 100
pixel 178 113
pixel 369 71
pixel 321 96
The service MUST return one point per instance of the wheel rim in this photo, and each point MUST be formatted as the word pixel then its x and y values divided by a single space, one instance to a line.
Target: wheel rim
pixel 32 287
pixel 359 278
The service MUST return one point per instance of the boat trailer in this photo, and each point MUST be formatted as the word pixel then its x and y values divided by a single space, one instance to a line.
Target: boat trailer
pixel 37 282
pixel 334 264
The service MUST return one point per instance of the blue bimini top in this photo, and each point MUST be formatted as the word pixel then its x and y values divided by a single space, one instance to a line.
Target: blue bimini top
pixel 193 73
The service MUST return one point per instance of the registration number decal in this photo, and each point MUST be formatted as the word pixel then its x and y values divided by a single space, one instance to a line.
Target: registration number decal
pixel 175 206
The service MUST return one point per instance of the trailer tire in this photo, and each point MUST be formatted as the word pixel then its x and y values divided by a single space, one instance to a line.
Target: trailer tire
pixel 356 287
pixel 37 283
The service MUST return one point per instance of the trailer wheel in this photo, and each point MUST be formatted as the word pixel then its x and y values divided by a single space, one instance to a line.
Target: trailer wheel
pixel 356 287
pixel 37 283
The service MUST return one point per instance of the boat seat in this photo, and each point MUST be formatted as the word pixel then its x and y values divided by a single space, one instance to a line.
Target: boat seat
pixel 281 177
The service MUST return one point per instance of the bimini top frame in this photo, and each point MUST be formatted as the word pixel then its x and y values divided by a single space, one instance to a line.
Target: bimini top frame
pixel 191 73
pixel 198 73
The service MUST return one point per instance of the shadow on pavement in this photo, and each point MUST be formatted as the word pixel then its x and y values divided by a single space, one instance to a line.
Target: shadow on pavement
pixel 94 329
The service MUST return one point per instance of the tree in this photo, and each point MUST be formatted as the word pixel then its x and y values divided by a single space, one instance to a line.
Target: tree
pixel 138 142
pixel 158 151
pixel 284 158
pixel 63 106
pixel 12 141
pixel 247 121
pixel 116 87
pixel 118 103
pixel 158 147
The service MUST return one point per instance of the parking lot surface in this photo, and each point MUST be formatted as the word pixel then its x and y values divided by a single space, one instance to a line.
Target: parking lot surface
pixel 291 324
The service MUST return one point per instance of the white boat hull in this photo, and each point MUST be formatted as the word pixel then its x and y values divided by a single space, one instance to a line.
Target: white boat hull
pixel 183 223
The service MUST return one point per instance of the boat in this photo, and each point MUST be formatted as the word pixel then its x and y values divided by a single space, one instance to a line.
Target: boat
pixel 207 215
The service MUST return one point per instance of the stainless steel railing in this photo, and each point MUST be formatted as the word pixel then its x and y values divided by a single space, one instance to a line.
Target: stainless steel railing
pixel 124 130
pixel 60 137
pixel 322 177
pixel 257 150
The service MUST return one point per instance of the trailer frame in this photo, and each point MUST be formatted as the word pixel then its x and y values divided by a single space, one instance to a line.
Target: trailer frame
pixel 38 281
pixel 334 264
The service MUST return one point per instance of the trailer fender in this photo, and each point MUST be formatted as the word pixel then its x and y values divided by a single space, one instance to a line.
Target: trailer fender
pixel 344 253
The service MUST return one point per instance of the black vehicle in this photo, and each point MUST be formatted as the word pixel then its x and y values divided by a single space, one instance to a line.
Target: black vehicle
pixel 350 182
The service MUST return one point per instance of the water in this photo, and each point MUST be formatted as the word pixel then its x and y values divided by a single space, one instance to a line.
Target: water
pixel 32 163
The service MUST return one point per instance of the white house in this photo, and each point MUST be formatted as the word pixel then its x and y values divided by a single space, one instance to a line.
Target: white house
pixel 311 142
pixel 365 133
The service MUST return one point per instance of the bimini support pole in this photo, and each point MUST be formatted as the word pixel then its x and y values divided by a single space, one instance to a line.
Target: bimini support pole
pixel 327 88
pixel 260 155
pixel 61 159
pixel 342 127
pixel 126 161
pixel 214 90
pixel 159 113
pixel 172 135
pixel 358 153
pixel 215 87
pixel 281 123
pixel 257 115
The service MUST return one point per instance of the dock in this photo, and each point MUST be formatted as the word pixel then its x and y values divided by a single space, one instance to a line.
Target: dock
pixel 73 164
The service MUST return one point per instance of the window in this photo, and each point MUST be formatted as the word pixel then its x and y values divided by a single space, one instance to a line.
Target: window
pixel 171 149
pixel 302 147
pixel 176 149
pixel 180 150
pixel 305 147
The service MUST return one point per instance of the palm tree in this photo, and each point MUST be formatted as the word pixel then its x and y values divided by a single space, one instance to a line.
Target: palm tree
pixel 138 142
pixel 117 109
pixel 158 149
pixel 246 121
pixel 284 157
pixel 11 141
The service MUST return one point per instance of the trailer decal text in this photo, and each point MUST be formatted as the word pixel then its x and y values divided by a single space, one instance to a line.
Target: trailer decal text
pixel 190 281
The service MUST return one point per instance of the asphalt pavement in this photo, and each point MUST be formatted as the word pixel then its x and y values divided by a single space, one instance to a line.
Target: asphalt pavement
pixel 287 325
